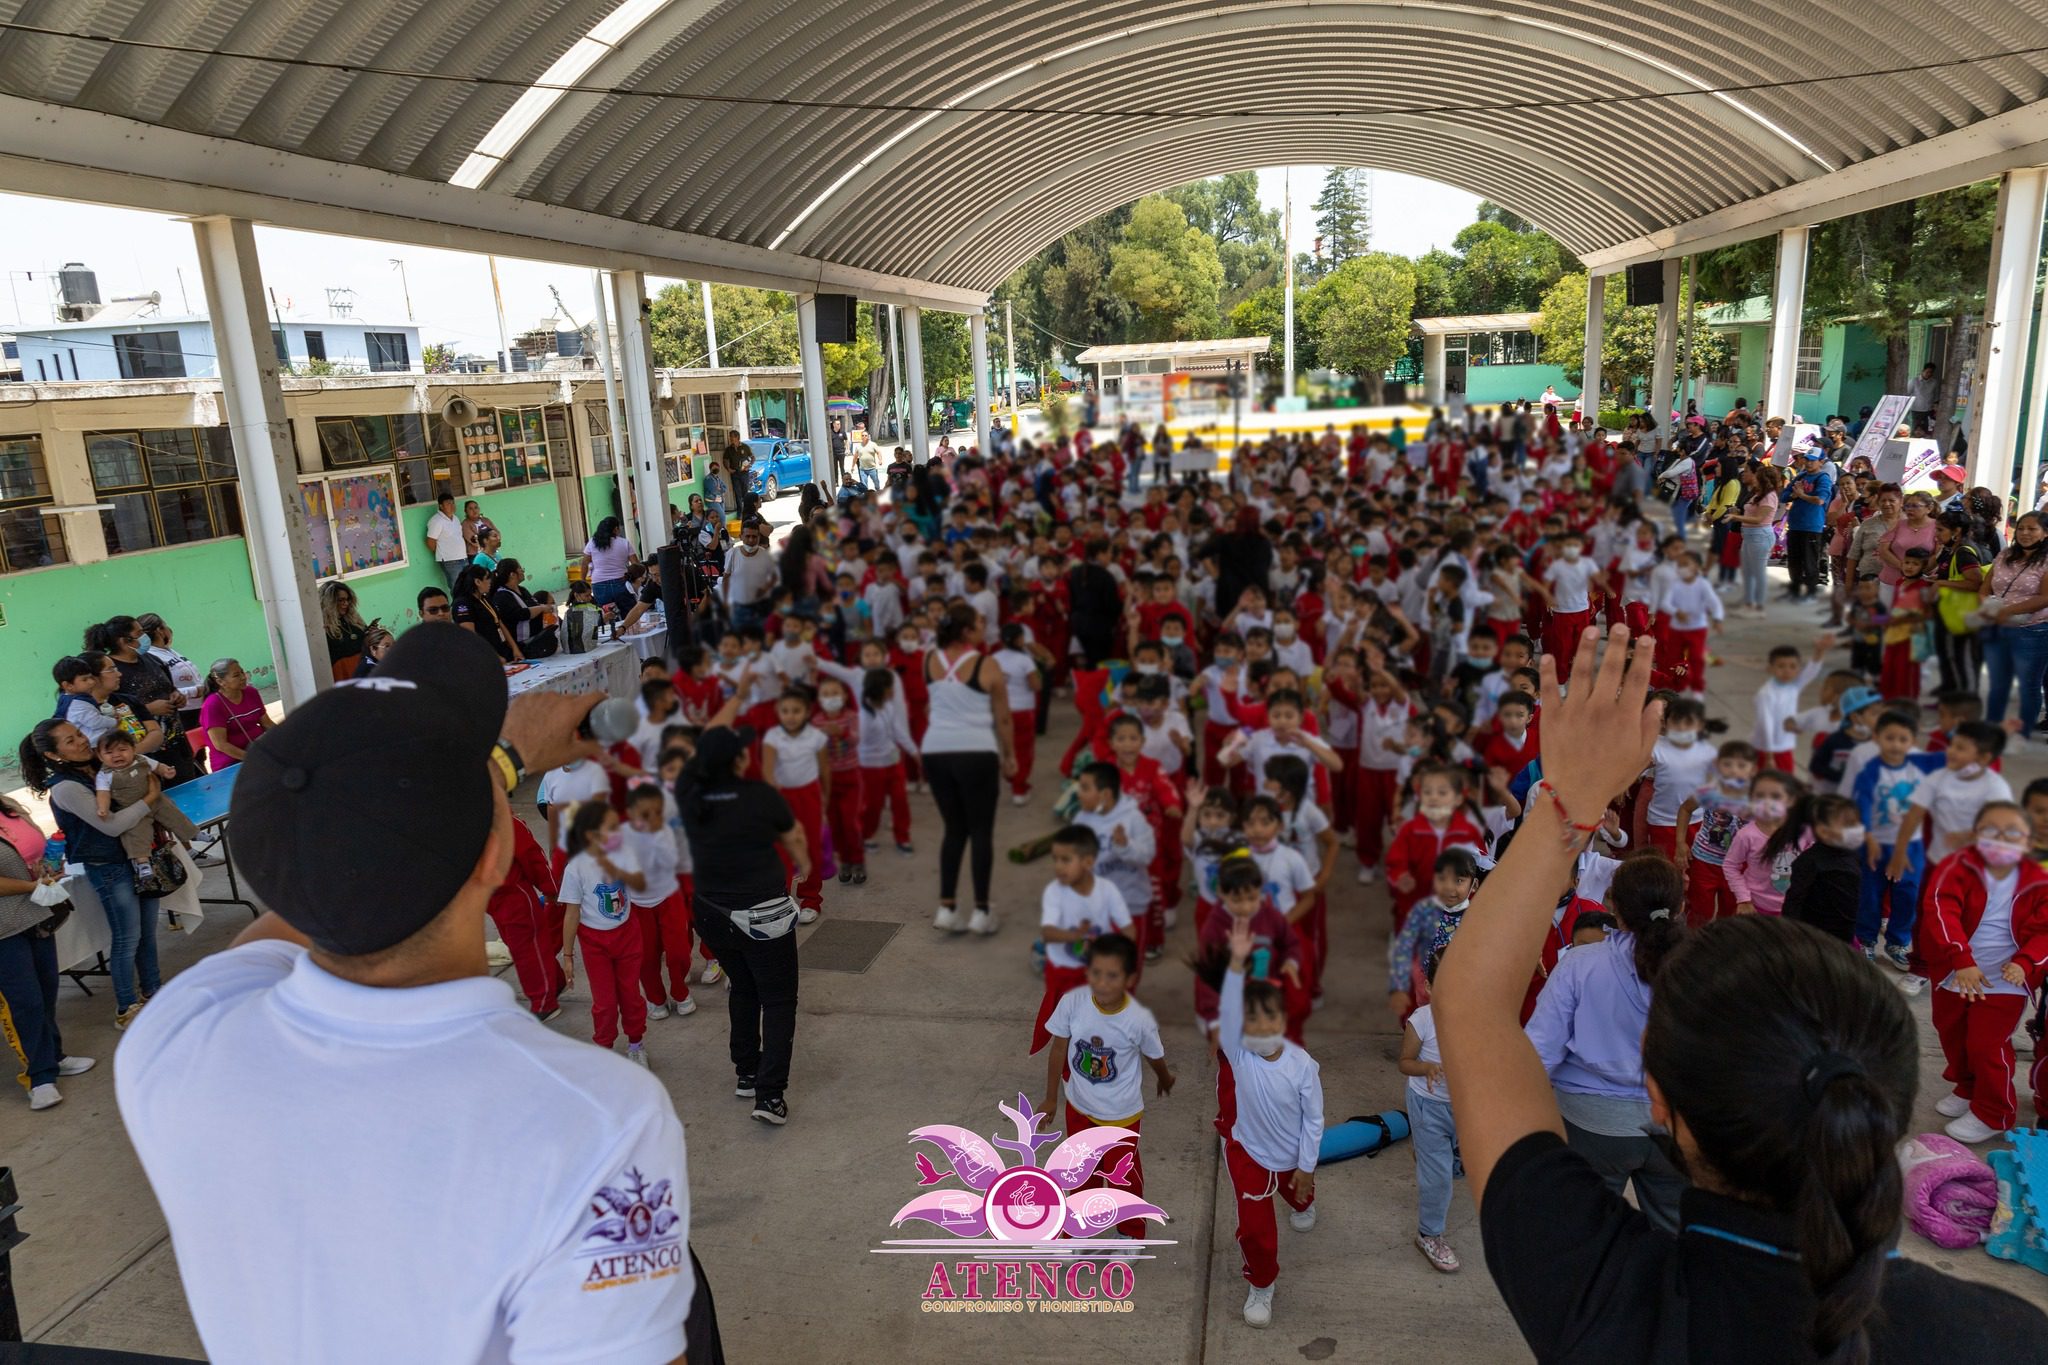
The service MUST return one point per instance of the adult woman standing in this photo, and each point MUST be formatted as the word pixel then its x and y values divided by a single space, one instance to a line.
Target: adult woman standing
pixel 605 557
pixel 966 752
pixel 1958 572
pixel 737 826
pixel 146 679
pixel 185 675
pixel 2016 639
pixel 806 577
pixel 1781 1066
pixel 28 959
pixel 345 628
pixel 473 612
pixel 232 715
pixel 57 761
pixel 526 618
pixel 1889 509
pixel 1588 1029
pixel 1916 532
pixel 1759 531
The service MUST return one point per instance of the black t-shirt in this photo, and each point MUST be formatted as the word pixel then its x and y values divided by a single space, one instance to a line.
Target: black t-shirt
pixel 733 842
pixel 1588 1279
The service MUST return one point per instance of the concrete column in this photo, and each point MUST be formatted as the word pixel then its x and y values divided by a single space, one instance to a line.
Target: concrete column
pixel 636 393
pixel 815 415
pixel 913 380
pixel 1664 367
pixel 2008 324
pixel 1596 336
pixel 614 410
pixel 253 403
pixel 710 328
pixel 977 334
pixel 1433 369
pixel 1788 312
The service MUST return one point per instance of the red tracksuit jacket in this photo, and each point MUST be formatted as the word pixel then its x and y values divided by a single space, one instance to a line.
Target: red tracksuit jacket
pixel 1417 844
pixel 1955 897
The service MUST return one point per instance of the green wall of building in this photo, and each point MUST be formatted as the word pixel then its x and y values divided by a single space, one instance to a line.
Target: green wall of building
pixel 1505 383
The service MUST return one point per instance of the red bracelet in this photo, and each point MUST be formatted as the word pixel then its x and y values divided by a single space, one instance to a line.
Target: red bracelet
pixel 1576 832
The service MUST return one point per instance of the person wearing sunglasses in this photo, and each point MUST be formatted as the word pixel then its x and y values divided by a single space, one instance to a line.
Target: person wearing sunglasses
pixel 433 604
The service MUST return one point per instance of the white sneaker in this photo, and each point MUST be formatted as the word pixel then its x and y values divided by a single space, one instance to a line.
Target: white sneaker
pixel 1258 1307
pixel 983 922
pixel 43 1097
pixel 711 974
pixel 1172 917
pixel 1439 1253
pixel 683 1007
pixel 806 915
pixel 657 1011
pixel 1368 875
pixel 1020 798
pixel 948 919
pixel 1951 1106
pixel 74 1066
pixel 1301 1220
pixel 1911 984
pixel 1969 1128
pixel 636 1054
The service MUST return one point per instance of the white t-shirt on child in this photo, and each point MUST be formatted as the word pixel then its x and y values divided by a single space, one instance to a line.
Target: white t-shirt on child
pixel 601 903
pixel 1105 1054
pixel 1099 911
pixel 796 755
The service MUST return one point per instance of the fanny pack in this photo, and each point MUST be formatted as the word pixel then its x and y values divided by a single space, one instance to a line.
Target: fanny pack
pixel 767 920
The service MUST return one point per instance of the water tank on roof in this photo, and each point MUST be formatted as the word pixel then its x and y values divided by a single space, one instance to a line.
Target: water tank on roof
pixel 77 284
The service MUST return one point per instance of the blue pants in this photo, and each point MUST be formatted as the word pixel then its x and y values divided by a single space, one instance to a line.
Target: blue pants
pixel 2015 652
pixel 1436 1145
pixel 613 592
pixel 132 958
pixel 28 986
pixel 1681 516
pixel 1905 897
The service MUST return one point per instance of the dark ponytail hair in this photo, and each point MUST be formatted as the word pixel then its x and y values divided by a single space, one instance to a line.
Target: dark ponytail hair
pixel 37 768
pixel 1798 817
pixel 588 820
pixel 1794 1065
pixel 959 622
pixel 102 638
pixel 875 686
pixel 1649 899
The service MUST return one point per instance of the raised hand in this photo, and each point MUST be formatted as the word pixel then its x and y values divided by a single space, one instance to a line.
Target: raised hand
pixel 1597 740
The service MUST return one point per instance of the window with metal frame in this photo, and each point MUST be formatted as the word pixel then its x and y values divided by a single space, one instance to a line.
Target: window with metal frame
pixel 1806 370
pixel 388 352
pixel 166 486
pixel 1729 373
pixel 31 535
pixel 399 439
pixel 316 345
pixel 600 419
pixel 150 355
pixel 525 442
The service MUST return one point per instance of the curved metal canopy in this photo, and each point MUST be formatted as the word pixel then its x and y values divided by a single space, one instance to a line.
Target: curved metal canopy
pixel 1026 120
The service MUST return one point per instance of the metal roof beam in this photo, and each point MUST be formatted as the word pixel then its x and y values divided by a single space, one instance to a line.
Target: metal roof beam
pixel 61 153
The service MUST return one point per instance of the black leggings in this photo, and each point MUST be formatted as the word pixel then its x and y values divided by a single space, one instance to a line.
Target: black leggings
pixel 965 787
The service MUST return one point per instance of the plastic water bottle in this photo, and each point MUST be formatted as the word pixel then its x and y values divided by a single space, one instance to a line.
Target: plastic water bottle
pixel 53 855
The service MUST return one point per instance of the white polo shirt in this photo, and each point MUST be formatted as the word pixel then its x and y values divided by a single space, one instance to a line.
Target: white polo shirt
pixel 353 1174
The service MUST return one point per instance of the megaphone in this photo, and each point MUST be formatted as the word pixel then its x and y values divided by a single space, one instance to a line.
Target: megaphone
pixel 458 411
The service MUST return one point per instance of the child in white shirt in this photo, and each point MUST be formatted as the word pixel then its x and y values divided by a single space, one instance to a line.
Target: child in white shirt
pixel 1777 703
pixel 660 909
pixel 789 763
pixel 596 884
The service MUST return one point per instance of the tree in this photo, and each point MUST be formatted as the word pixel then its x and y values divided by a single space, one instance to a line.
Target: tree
pixel 1502 270
pixel 1246 233
pixel 1265 314
pixel 1628 336
pixel 1490 212
pixel 948 356
pixel 849 366
pixel 438 357
pixel 1359 314
pixel 1169 273
pixel 1436 273
pixel 1344 213
pixel 756 327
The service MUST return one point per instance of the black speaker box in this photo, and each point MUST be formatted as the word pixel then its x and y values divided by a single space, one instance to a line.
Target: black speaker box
pixel 1646 284
pixel 838 318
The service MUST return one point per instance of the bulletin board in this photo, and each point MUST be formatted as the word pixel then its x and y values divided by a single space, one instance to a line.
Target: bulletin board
pixel 353 522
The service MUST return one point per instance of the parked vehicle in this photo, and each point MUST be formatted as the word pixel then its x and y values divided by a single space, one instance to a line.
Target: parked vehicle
pixel 778 465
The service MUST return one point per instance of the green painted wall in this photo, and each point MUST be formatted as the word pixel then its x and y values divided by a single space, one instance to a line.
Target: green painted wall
pixel 600 498
pixel 1502 383
pixel 1862 370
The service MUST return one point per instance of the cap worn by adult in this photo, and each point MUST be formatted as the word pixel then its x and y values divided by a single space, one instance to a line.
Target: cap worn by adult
pixel 359 818
pixel 1954 473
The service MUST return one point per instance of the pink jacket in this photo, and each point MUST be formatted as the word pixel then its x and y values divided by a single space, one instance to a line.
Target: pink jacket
pixel 1749 877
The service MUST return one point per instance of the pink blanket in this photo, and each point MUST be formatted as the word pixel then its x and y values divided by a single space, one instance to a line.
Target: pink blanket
pixel 1950 1190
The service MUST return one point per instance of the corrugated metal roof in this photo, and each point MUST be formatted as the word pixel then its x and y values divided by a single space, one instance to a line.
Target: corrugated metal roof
pixel 1479 322
pixel 1173 350
pixel 731 118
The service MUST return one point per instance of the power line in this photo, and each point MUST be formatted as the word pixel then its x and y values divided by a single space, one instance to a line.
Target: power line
pixel 1292 110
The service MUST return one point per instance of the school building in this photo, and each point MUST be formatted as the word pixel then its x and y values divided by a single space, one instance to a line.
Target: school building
pixel 1491 358
pixel 122 497
pixel 1840 366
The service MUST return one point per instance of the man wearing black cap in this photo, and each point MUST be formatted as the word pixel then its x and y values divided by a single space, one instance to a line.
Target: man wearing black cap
pixel 366 1149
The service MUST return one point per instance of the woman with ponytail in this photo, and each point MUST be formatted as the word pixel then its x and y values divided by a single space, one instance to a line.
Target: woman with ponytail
pixel 1780 1070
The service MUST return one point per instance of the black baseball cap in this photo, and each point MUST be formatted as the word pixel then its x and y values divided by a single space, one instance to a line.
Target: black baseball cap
pixel 359 818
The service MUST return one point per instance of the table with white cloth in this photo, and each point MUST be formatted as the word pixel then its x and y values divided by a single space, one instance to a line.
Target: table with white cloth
pixel 651 640
pixel 85 937
pixel 612 668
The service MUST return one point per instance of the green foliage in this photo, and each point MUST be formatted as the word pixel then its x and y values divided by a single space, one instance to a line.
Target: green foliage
pixel 1490 212
pixel 1265 314
pixel 1168 272
pixel 1058 413
pixel 1628 335
pixel 848 367
pixel 1504 271
pixel 1359 313
pixel 1436 273
pixel 948 354
pixel 755 326
pixel 1344 214
pixel 436 357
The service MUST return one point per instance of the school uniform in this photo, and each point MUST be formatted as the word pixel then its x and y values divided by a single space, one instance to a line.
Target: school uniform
pixel 661 914
pixel 1776 703
pixel 609 944
pixel 843 807
pixel 1571 609
pixel 1676 772
pixel 884 738
pixel 1378 787
pixel 1275 1129
pixel 1100 911
pixel 1974 919
pixel 796 778
pixel 1106 1052
pixel 1017 668
pixel 523 909
pixel 1415 849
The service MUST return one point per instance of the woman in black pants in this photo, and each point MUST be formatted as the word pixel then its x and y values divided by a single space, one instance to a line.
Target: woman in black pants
pixel 966 756
pixel 743 911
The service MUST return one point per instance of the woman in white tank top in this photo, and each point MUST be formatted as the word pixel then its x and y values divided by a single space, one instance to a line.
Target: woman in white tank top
pixel 966 753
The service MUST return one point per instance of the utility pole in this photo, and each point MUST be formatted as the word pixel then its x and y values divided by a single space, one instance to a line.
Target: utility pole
pixel 710 327
pixel 399 265
pixel 1287 246
pixel 504 338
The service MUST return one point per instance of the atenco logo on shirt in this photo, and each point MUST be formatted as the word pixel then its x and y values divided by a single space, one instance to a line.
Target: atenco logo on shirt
pixel 1067 1205
pixel 631 1233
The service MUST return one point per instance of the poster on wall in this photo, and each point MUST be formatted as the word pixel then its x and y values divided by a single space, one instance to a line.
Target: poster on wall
pixel 1144 398
pixel 353 523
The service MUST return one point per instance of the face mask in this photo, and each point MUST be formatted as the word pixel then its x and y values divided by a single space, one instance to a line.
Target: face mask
pixel 750 550
pixel 1172 641
pixel 1571 554
pixel 615 841
pixel 1358 552
pixel 1735 784
pixel 1265 1044
pixel 1434 811
pixel 1859 729
pixel 1969 772
pixel 1850 836
pixel 1688 575
pixel 1459 907
pixel 1264 845
pixel 1283 632
pixel 1997 853
pixel 1146 670
pixel 832 706
pixel 1684 739
pixel 1768 808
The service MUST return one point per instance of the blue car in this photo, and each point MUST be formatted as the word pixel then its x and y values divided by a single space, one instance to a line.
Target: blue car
pixel 778 464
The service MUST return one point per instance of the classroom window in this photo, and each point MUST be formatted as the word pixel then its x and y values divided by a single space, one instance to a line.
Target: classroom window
pixel 149 355
pixel 388 352
pixel 600 420
pixel 169 486
pixel 316 345
pixel 284 354
pixel 1727 374
pixel 1806 371
pixel 554 420
pixel 30 534
pixel 524 437
pixel 399 440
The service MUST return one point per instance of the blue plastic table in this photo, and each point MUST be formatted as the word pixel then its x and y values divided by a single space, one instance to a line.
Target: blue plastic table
pixel 204 800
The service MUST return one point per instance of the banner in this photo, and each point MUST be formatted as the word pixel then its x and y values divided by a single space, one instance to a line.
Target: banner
pixel 1891 410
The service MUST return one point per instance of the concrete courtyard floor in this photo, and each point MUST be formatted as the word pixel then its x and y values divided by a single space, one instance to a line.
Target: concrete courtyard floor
pixel 934 1031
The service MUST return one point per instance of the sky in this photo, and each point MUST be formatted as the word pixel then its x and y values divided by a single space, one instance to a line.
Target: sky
pixel 137 253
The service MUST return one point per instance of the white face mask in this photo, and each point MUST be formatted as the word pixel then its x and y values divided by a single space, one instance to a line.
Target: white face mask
pixel 1684 739
pixel 1970 772
pixel 831 706
pixel 1147 670
pixel 1265 1044
pixel 1459 907
pixel 1435 811
pixel 1850 836
pixel 1571 554
pixel 1172 641
pixel 1283 632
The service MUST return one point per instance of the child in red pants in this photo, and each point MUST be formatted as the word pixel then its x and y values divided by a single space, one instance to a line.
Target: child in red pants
pixel 1983 937
pixel 1276 1088
pixel 885 746
pixel 1020 679
pixel 1076 908
pixel 792 763
pixel 525 924
pixel 593 896
pixel 660 908
pixel 839 722
pixel 1105 1036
